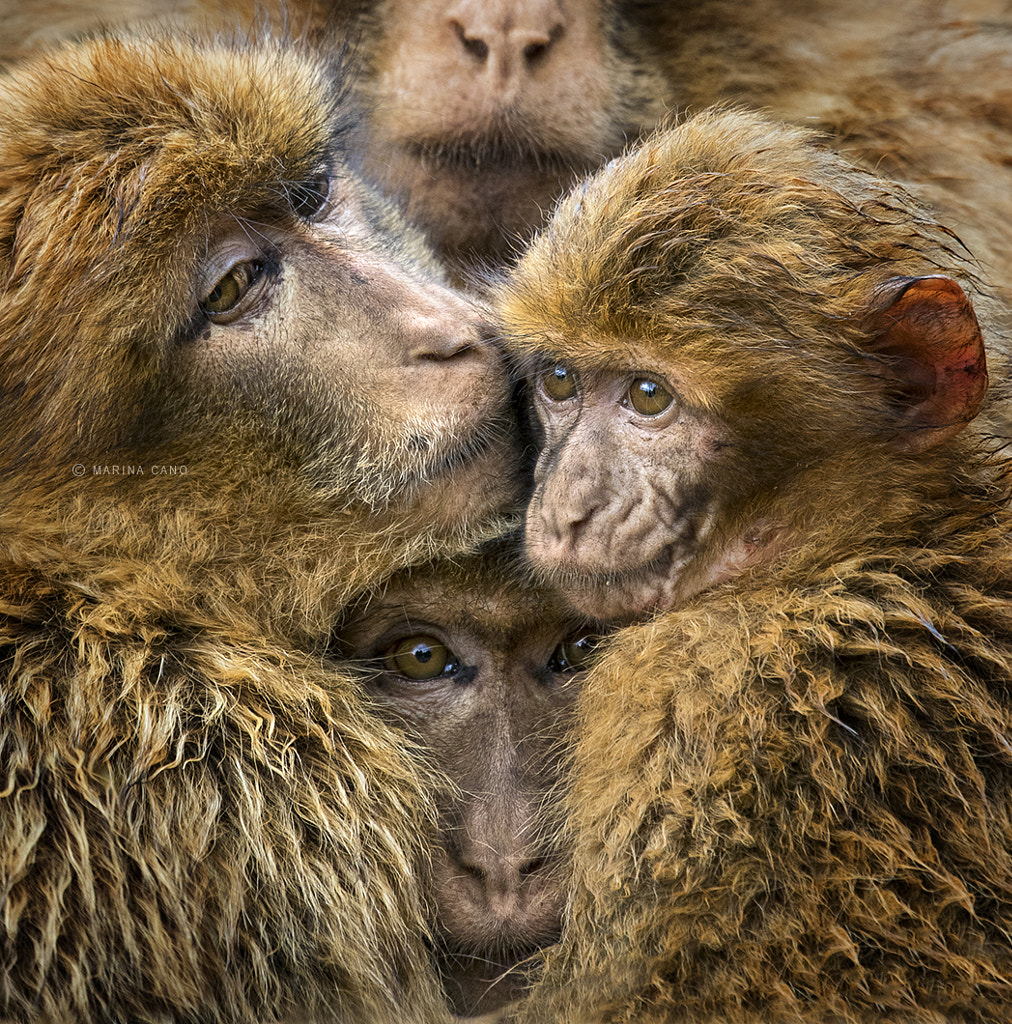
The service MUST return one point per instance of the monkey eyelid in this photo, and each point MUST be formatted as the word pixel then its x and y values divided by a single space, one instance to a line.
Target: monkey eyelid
pixel 253 275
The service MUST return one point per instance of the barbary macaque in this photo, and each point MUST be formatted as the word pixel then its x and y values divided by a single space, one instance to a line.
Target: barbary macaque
pixel 482 113
pixel 234 390
pixel 756 369
pixel 481 667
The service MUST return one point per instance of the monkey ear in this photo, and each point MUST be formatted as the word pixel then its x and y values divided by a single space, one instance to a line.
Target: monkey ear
pixel 928 332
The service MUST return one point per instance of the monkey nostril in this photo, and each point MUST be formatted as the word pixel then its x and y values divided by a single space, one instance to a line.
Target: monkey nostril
pixel 477 48
pixel 479 873
pixel 531 867
pixel 534 52
pixel 437 345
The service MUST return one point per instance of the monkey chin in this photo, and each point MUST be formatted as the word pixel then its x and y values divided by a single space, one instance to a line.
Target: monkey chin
pixel 476 200
pixel 482 477
pixel 665 583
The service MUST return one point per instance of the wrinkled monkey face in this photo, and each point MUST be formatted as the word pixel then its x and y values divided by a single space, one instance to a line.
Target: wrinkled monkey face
pixel 621 503
pixel 322 324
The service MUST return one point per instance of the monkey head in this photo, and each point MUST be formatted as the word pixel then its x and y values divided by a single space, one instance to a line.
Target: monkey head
pixel 481 114
pixel 192 275
pixel 727 329
pixel 481 666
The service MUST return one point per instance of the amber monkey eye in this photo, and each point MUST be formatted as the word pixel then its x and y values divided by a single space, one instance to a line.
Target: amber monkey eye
pixel 575 653
pixel 228 292
pixel 648 398
pixel 559 383
pixel 420 657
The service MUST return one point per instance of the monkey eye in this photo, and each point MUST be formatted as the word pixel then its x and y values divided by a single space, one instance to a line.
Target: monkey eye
pixel 647 397
pixel 420 657
pixel 307 198
pixel 221 301
pixel 559 383
pixel 575 653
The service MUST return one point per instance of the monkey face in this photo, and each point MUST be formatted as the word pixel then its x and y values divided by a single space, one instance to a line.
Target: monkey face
pixel 371 373
pixel 482 114
pixel 622 501
pixel 224 293
pixel 483 669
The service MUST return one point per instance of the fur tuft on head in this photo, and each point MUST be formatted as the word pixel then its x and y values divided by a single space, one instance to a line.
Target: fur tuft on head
pixel 727 225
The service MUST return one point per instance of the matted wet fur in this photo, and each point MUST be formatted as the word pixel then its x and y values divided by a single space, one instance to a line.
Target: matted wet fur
pixel 792 787
pixel 233 390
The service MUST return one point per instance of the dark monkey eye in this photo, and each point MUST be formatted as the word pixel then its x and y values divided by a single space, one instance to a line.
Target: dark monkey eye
pixel 559 383
pixel 575 653
pixel 308 197
pixel 228 292
pixel 420 657
pixel 648 398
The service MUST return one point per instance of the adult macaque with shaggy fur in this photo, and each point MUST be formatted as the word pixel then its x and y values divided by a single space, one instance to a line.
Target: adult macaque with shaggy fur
pixel 791 797
pixel 479 665
pixel 233 391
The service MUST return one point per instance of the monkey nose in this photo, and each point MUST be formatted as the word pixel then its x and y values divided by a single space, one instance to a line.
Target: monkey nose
pixel 500 878
pixel 431 341
pixel 510 47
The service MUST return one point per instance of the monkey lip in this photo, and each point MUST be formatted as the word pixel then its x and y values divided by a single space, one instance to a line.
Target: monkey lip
pixel 618 594
pixel 494 156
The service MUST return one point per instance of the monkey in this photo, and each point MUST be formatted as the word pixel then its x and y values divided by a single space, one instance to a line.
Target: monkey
pixel 480 666
pixel 235 389
pixel 756 368
pixel 481 115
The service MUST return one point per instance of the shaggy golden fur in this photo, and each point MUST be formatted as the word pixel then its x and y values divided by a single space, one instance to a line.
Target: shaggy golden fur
pixel 200 820
pixel 484 113
pixel 792 792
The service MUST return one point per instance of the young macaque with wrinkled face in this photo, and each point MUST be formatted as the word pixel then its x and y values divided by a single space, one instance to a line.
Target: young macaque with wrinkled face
pixel 790 790
pixel 482 667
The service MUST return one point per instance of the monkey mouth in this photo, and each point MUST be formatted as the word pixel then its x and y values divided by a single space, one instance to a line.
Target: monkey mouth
pixel 621 595
pixel 495 155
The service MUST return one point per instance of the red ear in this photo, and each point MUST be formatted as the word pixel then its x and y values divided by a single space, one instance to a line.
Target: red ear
pixel 930 334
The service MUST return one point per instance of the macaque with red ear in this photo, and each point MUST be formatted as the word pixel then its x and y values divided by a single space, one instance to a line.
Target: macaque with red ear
pixel 756 369
pixel 481 113
pixel 482 667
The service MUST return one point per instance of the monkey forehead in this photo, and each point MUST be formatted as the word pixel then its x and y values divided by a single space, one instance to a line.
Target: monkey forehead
pixel 156 132
pixel 490 595
pixel 728 222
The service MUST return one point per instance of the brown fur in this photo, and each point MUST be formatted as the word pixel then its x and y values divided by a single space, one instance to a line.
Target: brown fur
pixel 792 784
pixel 494 722
pixel 200 819
pixel 478 134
